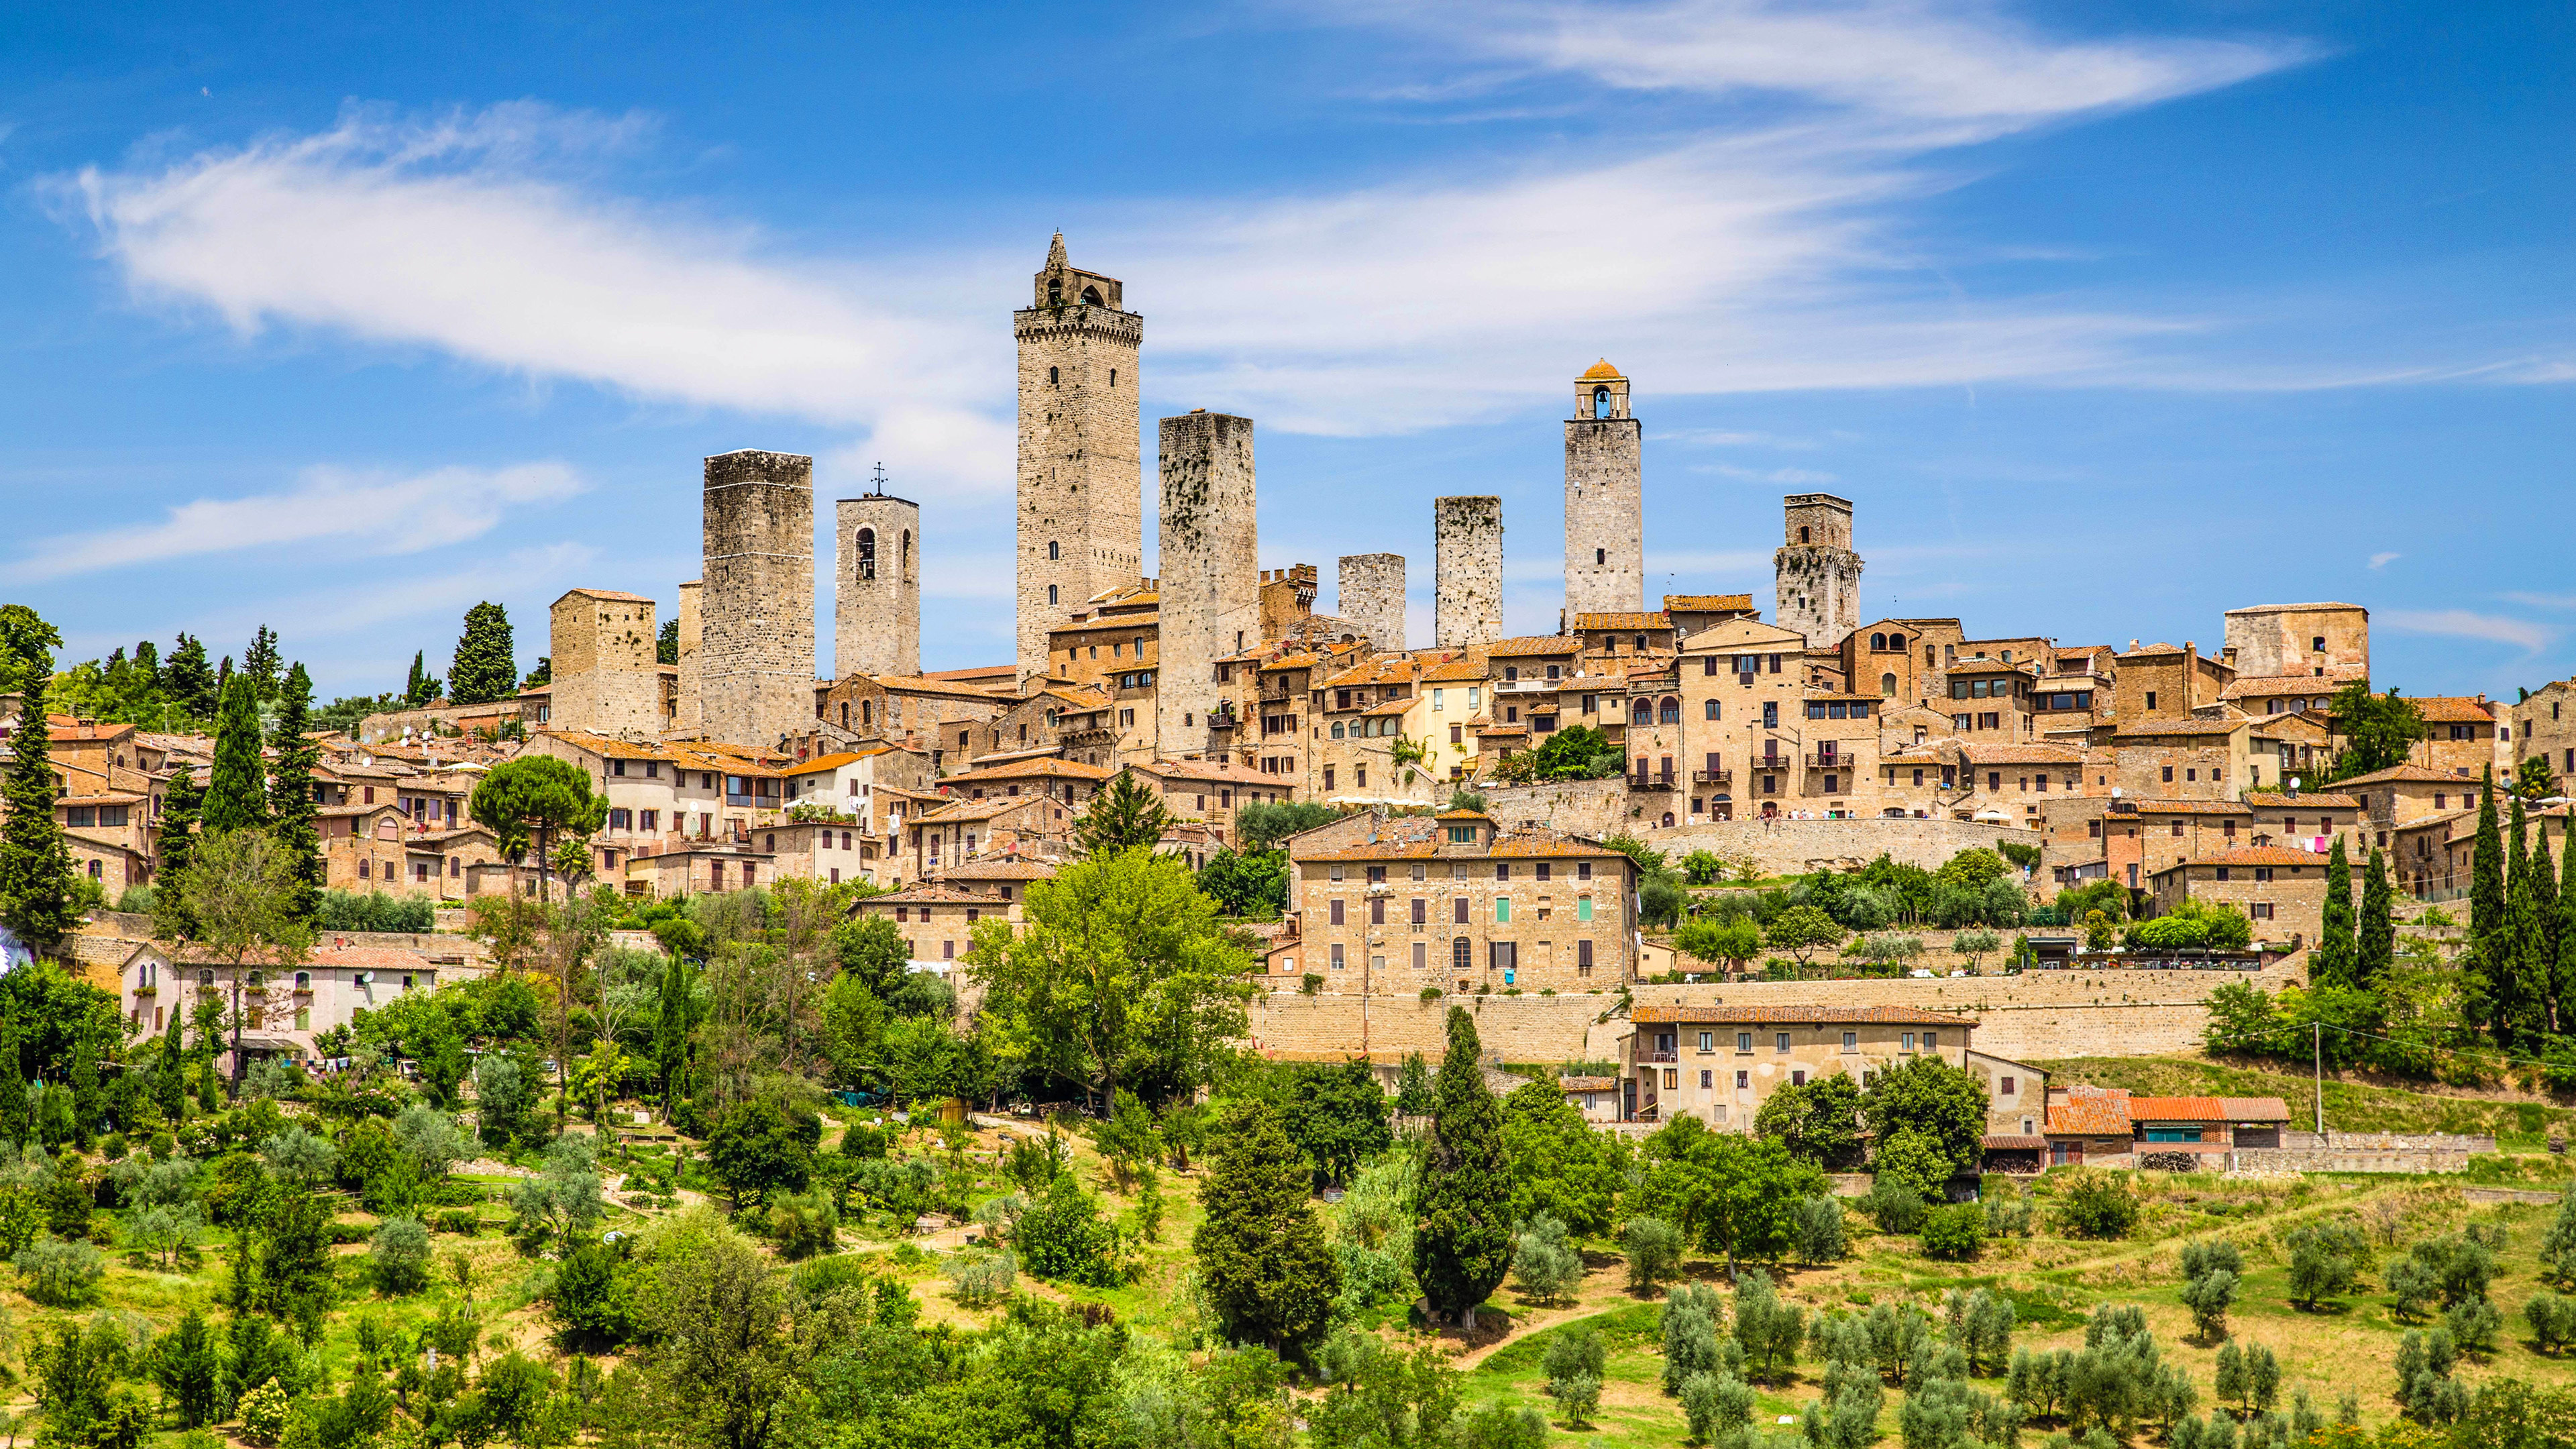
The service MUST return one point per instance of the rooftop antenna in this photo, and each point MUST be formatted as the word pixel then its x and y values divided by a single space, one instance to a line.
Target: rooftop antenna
pixel 876 485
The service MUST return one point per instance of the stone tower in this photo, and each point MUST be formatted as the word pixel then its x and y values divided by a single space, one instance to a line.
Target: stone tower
pixel 756 613
pixel 1081 489
pixel 601 653
pixel 1467 539
pixel 689 718
pixel 876 615
pixel 1605 523
pixel 1818 574
pixel 1372 597
pixel 1210 568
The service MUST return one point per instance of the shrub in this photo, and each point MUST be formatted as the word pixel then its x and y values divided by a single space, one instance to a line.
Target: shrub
pixel 982 1277
pixel 1691 1343
pixel 2208 1296
pixel 1061 1236
pixel 1768 1330
pixel 1654 1249
pixel 1894 1205
pixel 1575 1363
pixel 61 1274
pixel 264 1412
pixel 2098 1205
pixel 398 1256
pixel 591 1297
pixel 1717 1407
pixel 804 1227
pixel 2008 1218
pixel 2474 1324
pixel 1954 1233
pixel 1546 1264
pixel 458 1220
pixel 1820 1234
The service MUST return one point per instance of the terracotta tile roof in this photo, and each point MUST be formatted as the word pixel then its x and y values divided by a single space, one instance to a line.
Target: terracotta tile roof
pixel 1601 369
pixel 1456 671
pixel 2090 1112
pixel 978 672
pixel 2136 650
pixel 2251 855
pixel 611 594
pixel 956 811
pixel 1874 1015
pixel 2456 709
pixel 2014 1142
pixel 926 895
pixel 1623 621
pixel 2191 807
pixel 1520 845
pixel 1587 1084
pixel 1501 731
pixel 1048 767
pixel 2208 1109
pixel 1000 870
pixel 2021 754
pixel 918 684
pixel 1705 603
pixel 2255 685
pixel 837 760
pixel 2152 729
pixel 2263 800
pixel 1383 669
pixel 1232 772
pixel 2405 775
pixel 1529 644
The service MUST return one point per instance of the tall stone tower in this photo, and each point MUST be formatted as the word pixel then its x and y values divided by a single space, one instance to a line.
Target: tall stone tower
pixel 1467 539
pixel 1605 522
pixel 601 652
pixel 876 613
pixel 690 717
pixel 1082 491
pixel 1210 568
pixel 1818 574
pixel 1372 596
pixel 756 613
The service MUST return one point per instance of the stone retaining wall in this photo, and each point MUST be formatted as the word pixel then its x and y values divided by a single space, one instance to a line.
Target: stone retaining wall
pixel 2286 1159
pixel 1778 847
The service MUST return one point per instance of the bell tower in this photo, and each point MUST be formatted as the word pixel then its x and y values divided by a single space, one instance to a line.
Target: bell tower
pixel 1605 524
pixel 1081 487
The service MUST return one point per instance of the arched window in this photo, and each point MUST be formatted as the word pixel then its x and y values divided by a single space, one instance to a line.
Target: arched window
pixel 1878 642
pixel 1708 709
pixel 867 553
pixel 867 712
pixel 1672 710
pixel 1113 377
pixel 1051 376
pixel 906 560
pixel 1091 295
pixel 1896 642
pixel 1054 550
pixel 1643 713
pixel 1668 820
pixel 1887 685
pixel 1050 593
pixel 1601 402
pixel 1055 294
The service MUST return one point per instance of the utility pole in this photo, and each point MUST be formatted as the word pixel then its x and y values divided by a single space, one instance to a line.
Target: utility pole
pixel 2317 1035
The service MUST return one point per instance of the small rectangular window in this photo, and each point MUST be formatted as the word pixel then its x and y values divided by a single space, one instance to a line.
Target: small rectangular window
pixel 1744 1041
pixel 1708 1041
pixel 1851 1041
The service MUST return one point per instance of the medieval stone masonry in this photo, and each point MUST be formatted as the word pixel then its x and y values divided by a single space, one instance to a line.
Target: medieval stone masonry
pixel 1467 535
pixel 1372 596
pixel 756 670
pixel 877 586
pixel 1605 523
pixel 1081 505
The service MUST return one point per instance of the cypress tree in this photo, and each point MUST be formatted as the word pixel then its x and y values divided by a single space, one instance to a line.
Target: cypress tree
pixel 2331 963
pixel 2520 977
pixel 2562 974
pixel 35 859
pixel 2544 924
pixel 290 791
pixel 1462 1234
pixel 187 681
pixel 2486 899
pixel 424 686
pixel 2375 948
pixel 181 806
pixel 671 1033
pixel 86 1101
pixel 260 663
pixel 237 797
pixel 1262 1256
pixel 486 666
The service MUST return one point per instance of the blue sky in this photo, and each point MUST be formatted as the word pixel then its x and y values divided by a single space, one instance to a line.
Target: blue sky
pixel 2109 318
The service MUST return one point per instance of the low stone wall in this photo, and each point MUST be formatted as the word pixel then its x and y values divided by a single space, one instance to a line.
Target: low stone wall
pixel 2386 1142
pixel 2286 1160
pixel 2035 1015
pixel 1779 847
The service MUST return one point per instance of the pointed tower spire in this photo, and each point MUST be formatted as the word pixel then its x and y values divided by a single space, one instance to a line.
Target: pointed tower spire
pixel 1055 252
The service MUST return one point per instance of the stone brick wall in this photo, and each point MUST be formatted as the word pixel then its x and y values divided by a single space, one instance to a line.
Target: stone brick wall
pixel 691 715
pixel 2273 639
pixel 756 671
pixel 1605 525
pixel 1372 597
pixel 1818 578
pixel 1081 485
pixel 876 613
pixel 1467 533
pixel 1210 567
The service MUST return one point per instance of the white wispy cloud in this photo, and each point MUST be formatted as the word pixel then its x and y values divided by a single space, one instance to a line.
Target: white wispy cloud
pixel 2467 624
pixel 2544 601
pixel 2383 560
pixel 357 512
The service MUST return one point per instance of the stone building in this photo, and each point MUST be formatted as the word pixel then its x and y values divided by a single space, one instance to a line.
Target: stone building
pixel 1605 523
pixel 1208 792
pixel 940 719
pixel 1081 486
pixel 607 677
pixel 756 656
pixel 1371 597
pixel 2161 682
pixel 1455 903
pixel 877 596
pixel 2283 890
pixel 2316 640
pixel 1211 566
pixel 2183 759
pixel 938 921
pixel 1817 573
pixel 1742 719
pixel 2544 726
pixel 1721 1062
pixel 2463 736
pixel 1467 537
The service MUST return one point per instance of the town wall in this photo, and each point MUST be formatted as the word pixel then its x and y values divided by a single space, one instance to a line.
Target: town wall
pixel 1372 597
pixel 1210 571
pixel 876 611
pixel 757 615
pixel 1467 535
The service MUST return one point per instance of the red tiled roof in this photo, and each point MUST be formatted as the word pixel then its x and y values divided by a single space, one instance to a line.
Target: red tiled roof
pixel 2253 855
pixel 2090 1111
pixel 2150 729
pixel 2208 1109
pixel 2269 801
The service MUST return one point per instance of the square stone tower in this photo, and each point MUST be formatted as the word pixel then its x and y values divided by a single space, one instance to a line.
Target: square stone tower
pixel 1817 572
pixel 1372 597
pixel 1467 565
pixel 690 717
pixel 756 615
pixel 876 613
pixel 1210 567
pixel 601 655
pixel 1081 488
pixel 1605 521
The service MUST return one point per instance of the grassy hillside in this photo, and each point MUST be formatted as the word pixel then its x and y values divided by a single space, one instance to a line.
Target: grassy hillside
pixel 2353 1104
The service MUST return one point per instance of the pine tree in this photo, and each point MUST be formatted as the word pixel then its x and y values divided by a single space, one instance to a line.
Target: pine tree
pixel 486 666
pixel 36 900
pixel 260 663
pixel 1122 817
pixel 1462 1235
pixel 2486 903
pixel 237 797
pixel 1262 1257
pixel 2331 963
pixel 182 805
pixel 2375 948
pixel 187 681
pixel 290 790
pixel 544 673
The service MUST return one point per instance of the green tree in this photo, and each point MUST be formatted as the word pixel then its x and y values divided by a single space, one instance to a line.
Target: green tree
pixel 2533 780
pixel 189 1368
pixel 237 796
pixel 1577 752
pixel 1462 1236
pixel 17 1120
pixel 486 667
pixel 1559 1165
pixel 2375 945
pixel 424 686
pixel 1802 931
pixel 1336 1114
pixel 290 788
pixel 2377 730
pixel 188 679
pixel 36 891
pixel 2563 970
pixel 181 804
pixel 666 645
pixel 242 892
pixel 261 663
pixel 1263 1260
pixel 1125 816
pixel 170 1071
pixel 2332 962
pixel 535 795
pixel 544 673
pixel 1260 827
pixel 1818 1120
pixel 1413 1087
pixel 1939 1102
pixel 1738 1196
pixel 757 1152
pixel 2486 894
pixel 1250 884
pixel 1123 972
pixel 1728 944
pixel 2518 973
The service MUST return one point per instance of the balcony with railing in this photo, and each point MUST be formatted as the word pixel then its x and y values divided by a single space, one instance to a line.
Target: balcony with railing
pixel 1831 760
pixel 1712 777
pixel 1657 1058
